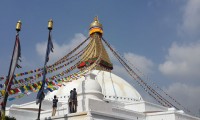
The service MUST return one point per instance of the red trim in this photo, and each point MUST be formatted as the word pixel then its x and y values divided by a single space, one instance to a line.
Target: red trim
pixel 92 60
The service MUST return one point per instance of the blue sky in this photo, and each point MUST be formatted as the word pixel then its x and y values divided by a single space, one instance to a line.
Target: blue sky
pixel 160 37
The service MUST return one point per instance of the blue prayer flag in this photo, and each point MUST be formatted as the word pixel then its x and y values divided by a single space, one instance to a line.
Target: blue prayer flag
pixel 41 95
pixel 49 48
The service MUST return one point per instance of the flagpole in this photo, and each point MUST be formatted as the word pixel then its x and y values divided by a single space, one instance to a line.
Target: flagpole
pixel 10 73
pixel 50 26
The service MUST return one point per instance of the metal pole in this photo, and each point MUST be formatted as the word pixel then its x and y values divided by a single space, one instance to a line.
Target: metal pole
pixel 39 110
pixel 50 26
pixel 43 83
pixel 8 84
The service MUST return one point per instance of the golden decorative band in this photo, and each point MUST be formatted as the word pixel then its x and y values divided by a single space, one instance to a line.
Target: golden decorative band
pixel 94 30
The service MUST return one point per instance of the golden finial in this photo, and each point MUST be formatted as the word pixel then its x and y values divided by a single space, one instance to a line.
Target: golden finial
pixel 18 26
pixel 96 23
pixel 50 24
pixel 96 26
pixel 96 18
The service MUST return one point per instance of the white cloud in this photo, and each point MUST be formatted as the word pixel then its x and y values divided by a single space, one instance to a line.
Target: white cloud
pixel 182 61
pixel 141 62
pixel 59 50
pixel 187 95
pixel 191 18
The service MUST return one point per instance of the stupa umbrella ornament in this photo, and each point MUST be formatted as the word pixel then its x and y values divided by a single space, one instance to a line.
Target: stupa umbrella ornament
pixel 91 55
pixel 13 64
pixel 41 95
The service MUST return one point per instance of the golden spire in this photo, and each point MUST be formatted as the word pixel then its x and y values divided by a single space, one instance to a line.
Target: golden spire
pixel 96 26
pixel 96 49
pixel 96 18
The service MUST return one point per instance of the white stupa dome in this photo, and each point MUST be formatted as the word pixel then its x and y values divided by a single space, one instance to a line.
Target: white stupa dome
pixel 89 84
pixel 90 88
pixel 112 87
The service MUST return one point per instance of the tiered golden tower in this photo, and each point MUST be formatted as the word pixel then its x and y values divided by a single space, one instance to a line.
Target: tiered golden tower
pixel 96 49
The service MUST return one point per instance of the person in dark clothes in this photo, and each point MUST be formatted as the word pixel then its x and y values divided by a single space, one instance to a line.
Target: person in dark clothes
pixel 74 100
pixel 70 101
pixel 55 101
pixel 0 115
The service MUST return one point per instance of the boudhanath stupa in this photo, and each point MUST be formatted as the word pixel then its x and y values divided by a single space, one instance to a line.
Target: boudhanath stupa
pixel 101 94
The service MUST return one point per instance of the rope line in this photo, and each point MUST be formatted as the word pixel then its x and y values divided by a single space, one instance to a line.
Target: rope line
pixel 136 77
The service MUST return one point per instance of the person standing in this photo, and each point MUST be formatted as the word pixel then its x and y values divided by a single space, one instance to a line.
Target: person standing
pixel 74 100
pixel 55 101
pixel 70 101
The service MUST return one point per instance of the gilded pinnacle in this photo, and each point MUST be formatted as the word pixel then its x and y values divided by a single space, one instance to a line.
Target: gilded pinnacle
pixel 96 26
pixel 96 19
pixel 96 23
